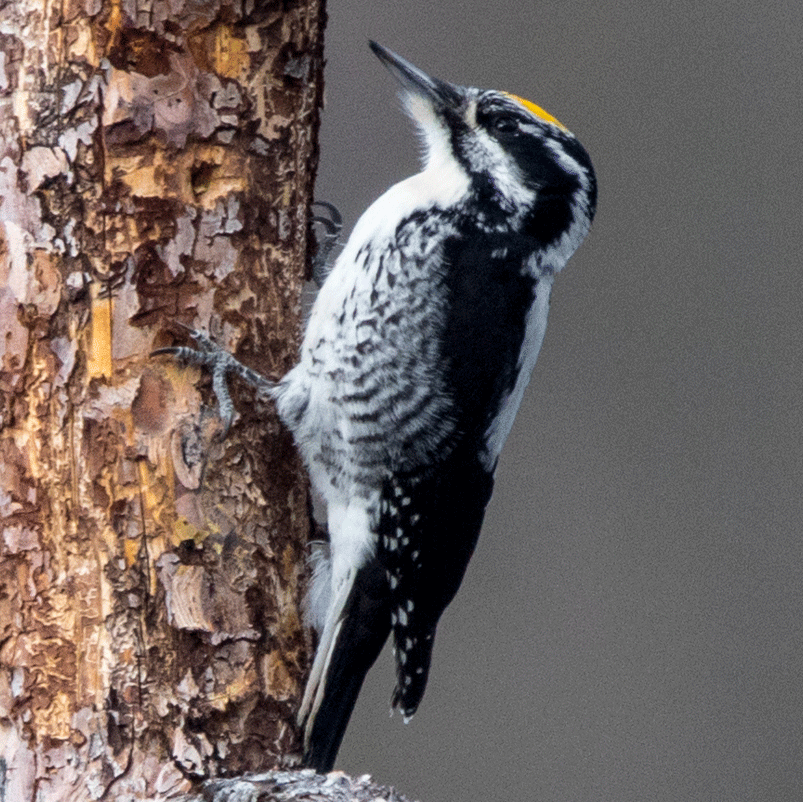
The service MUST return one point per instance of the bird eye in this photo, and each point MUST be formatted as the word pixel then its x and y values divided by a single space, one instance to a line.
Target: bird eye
pixel 504 123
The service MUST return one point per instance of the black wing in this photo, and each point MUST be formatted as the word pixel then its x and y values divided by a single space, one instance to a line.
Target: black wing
pixel 431 519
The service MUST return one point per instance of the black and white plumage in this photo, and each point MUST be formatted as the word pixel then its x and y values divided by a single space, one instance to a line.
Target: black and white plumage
pixel 416 355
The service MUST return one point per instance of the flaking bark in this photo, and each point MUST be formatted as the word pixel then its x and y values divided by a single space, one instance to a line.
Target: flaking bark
pixel 297 786
pixel 156 166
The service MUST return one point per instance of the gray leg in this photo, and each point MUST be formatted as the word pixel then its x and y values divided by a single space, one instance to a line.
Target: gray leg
pixel 220 364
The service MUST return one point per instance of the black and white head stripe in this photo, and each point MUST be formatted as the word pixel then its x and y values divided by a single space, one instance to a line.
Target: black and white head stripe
pixel 522 164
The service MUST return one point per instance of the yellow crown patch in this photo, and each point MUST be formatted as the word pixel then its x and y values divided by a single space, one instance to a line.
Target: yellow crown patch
pixel 537 110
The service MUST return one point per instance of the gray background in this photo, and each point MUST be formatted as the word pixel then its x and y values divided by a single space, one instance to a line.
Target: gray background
pixel 631 626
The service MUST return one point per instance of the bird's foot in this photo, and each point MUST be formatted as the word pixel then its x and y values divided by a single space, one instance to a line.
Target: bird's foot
pixel 220 363
pixel 327 235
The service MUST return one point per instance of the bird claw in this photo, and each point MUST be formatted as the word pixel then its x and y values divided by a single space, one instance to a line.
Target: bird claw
pixel 220 363
pixel 331 227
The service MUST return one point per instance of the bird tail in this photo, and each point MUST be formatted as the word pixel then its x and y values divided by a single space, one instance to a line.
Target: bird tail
pixel 356 628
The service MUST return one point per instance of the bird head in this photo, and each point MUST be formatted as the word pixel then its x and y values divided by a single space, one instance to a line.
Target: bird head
pixel 524 166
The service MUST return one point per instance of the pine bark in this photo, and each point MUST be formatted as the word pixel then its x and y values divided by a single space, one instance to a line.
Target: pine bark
pixel 156 166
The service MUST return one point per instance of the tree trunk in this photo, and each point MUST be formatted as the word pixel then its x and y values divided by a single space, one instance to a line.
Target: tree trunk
pixel 156 166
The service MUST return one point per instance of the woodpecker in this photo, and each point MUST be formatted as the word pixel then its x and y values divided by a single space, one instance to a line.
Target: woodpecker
pixel 415 358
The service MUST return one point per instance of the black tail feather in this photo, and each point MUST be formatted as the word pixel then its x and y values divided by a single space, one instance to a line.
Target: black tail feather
pixel 363 632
